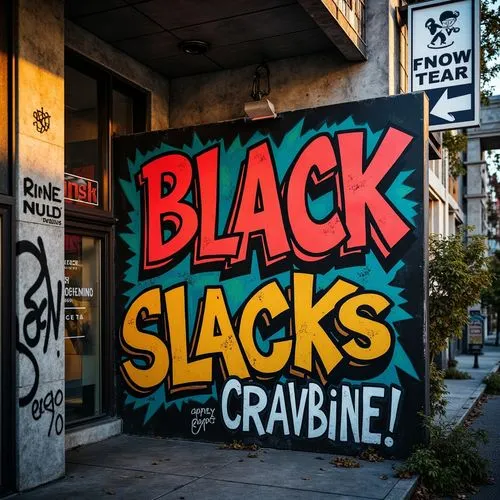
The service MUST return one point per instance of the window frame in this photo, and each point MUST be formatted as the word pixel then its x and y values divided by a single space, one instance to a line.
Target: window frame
pixel 105 235
pixel 107 81
pixel 99 222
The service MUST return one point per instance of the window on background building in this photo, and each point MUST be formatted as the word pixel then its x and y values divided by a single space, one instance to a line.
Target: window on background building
pixel 98 106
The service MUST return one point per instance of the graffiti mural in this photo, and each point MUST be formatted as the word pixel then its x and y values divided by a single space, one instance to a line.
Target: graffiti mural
pixel 271 278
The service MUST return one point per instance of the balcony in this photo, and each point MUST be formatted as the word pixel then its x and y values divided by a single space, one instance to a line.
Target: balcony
pixel 239 32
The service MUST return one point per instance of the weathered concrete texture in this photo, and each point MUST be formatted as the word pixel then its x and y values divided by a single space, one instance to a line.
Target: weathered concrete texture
pixel 93 433
pixel 94 48
pixel 40 164
pixel 41 67
pixel 40 244
pixel 39 275
pixel 299 82
pixel 41 437
pixel 148 468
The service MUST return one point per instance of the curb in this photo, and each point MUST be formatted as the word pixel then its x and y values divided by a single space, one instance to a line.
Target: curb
pixel 473 399
pixel 404 488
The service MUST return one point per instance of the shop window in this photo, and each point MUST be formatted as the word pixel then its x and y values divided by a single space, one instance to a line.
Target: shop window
pixel 82 326
pixel 83 170
pixel 98 105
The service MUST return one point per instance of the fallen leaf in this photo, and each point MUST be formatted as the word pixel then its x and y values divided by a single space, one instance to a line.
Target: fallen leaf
pixel 346 462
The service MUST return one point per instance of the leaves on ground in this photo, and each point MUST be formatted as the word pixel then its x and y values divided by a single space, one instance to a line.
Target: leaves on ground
pixel 239 445
pixel 370 455
pixel 345 462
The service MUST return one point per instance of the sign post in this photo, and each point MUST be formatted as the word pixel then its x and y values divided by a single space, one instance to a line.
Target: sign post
pixel 444 60
pixel 475 336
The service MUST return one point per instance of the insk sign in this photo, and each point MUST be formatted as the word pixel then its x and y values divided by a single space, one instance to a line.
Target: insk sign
pixel 444 60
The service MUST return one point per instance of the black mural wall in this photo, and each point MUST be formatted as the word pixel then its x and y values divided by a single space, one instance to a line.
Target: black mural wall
pixel 271 278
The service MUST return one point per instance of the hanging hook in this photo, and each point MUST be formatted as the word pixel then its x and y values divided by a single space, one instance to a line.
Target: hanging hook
pixel 261 72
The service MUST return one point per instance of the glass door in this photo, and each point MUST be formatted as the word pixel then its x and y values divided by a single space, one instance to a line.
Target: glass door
pixel 83 326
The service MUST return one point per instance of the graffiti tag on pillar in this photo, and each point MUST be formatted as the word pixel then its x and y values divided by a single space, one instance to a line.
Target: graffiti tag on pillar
pixel 271 279
pixel 52 404
pixel 42 120
pixel 42 302
pixel 42 202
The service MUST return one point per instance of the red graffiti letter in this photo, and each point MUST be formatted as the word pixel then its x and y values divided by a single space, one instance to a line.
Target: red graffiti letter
pixel 164 183
pixel 257 210
pixel 313 240
pixel 361 195
pixel 209 248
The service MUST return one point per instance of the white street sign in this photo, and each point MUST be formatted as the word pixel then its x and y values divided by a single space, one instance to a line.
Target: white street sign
pixel 444 60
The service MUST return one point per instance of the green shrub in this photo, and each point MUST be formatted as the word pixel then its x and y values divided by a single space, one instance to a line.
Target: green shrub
pixel 452 363
pixel 454 374
pixel 492 382
pixel 437 391
pixel 451 463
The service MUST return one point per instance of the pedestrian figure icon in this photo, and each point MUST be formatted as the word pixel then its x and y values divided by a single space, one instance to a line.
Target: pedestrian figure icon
pixel 441 32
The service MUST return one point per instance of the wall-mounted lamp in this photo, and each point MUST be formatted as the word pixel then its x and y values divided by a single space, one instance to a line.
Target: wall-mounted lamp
pixel 260 108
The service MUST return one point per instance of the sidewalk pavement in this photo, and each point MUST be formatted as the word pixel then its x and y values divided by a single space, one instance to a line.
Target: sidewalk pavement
pixel 462 394
pixel 148 468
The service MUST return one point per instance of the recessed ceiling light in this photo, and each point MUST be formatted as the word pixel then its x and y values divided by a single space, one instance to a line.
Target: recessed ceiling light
pixel 194 47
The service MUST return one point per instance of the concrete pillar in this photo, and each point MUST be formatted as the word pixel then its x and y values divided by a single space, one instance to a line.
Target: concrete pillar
pixel 475 193
pixel 39 170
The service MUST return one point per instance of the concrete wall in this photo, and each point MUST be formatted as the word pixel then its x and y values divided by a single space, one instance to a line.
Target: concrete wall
pixel 39 170
pixel 299 82
pixel 104 54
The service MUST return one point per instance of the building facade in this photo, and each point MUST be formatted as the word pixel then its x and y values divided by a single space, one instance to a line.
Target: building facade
pixel 75 75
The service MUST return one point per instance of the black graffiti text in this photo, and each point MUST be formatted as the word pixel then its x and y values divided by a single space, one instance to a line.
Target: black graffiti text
pixel 41 200
pixel 51 403
pixel 43 314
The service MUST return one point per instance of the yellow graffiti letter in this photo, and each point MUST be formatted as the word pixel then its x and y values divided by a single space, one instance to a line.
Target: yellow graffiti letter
pixel 372 338
pixel 216 335
pixel 146 308
pixel 308 332
pixel 184 372
pixel 270 300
